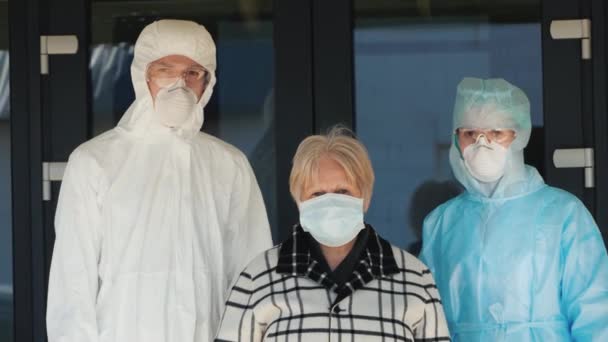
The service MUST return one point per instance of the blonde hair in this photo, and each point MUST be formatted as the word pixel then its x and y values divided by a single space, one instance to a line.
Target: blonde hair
pixel 340 145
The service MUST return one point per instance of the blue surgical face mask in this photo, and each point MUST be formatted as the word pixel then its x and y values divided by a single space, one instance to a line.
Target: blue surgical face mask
pixel 332 219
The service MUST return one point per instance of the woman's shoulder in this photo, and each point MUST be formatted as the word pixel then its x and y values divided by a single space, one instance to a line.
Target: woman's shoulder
pixel 408 263
pixel 398 259
pixel 262 263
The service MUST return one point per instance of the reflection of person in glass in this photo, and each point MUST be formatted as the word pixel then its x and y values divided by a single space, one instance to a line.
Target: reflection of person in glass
pixel 155 219
pixel 263 160
pixel 514 259
pixel 334 278
pixel 427 197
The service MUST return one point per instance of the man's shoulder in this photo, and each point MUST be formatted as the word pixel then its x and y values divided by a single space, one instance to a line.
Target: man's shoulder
pixel 219 147
pixel 453 206
pixel 94 150
pixel 557 195
pixel 98 145
pixel 557 203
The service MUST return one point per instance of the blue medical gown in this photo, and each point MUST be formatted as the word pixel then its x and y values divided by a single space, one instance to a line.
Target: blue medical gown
pixel 531 267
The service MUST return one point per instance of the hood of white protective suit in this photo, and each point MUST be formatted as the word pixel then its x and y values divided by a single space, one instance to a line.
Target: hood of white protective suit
pixel 160 39
pixel 491 104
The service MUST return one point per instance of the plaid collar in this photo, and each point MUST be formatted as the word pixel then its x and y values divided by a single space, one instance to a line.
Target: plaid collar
pixel 375 261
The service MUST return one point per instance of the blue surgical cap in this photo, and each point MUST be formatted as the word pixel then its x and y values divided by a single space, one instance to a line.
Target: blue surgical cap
pixel 491 104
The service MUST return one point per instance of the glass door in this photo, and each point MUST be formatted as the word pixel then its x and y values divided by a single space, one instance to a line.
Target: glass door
pixel 6 236
pixel 394 82
pixel 408 58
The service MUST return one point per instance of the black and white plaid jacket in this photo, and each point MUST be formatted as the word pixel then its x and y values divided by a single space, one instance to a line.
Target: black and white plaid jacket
pixel 283 295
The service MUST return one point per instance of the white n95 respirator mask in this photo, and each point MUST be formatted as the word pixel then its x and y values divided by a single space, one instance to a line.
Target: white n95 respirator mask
pixel 485 161
pixel 174 104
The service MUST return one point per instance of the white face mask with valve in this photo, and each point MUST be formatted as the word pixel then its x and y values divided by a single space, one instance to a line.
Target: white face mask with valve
pixel 174 104
pixel 485 161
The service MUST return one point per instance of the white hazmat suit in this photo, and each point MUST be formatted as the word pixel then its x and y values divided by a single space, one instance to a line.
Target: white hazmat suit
pixel 153 223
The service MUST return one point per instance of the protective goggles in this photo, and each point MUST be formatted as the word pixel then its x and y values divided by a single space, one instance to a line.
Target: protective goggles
pixel 471 135
pixel 163 75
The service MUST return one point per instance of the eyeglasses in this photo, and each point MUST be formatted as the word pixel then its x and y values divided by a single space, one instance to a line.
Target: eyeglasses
pixel 470 135
pixel 164 75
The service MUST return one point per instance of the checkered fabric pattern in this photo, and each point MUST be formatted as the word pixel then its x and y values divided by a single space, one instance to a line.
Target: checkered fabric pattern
pixel 284 296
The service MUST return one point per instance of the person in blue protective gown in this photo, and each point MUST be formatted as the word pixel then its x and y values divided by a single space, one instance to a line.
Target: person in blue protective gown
pixel 514 259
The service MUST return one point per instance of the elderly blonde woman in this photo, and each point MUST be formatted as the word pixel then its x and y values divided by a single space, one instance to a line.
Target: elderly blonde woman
pixel 334 278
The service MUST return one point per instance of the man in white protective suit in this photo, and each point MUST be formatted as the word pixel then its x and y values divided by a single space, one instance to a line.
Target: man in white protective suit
pixel 155 218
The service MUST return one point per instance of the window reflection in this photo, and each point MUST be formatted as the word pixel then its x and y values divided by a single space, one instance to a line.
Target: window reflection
pixel 407 66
